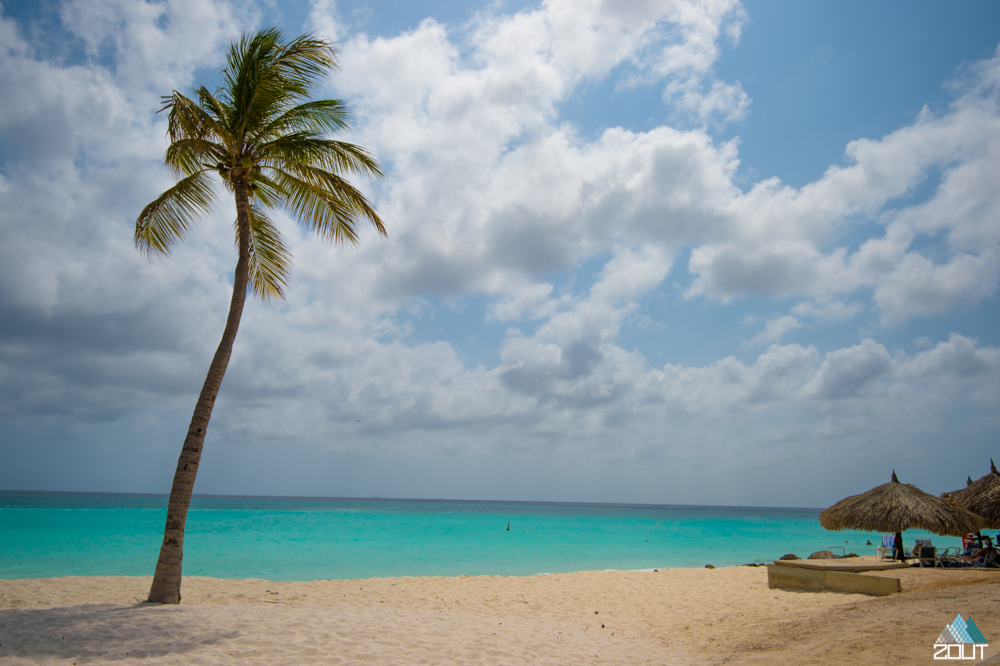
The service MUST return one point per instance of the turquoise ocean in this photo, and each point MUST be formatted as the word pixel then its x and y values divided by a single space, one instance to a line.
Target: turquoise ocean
pixel 46 534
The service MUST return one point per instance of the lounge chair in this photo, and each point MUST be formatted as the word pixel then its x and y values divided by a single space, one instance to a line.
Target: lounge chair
pixel 952 558
pixel 922 549
pixel 918 544
pixel 926 556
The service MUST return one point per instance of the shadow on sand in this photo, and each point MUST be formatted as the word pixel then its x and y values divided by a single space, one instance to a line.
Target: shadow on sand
pixel 100 632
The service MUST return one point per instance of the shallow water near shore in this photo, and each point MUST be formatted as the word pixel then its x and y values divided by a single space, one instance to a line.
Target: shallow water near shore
pixel 291 538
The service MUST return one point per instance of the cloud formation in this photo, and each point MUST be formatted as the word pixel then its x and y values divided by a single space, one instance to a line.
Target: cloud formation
pixel 491 194
pixel 784 241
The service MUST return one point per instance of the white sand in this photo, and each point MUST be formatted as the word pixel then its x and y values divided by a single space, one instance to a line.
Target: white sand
pixel 676 616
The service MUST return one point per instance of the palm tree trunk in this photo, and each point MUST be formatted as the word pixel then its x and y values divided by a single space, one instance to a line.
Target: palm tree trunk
pixel 166 587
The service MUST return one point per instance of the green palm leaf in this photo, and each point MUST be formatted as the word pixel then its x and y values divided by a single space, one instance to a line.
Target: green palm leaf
pixel 326 203
pixel 266 191
pixel 270 260
pixel 328 114
pixel 186 156
pixel 309 149
pixel 168 219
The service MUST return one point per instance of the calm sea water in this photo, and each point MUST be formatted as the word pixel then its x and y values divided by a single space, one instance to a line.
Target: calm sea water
pixel 282 538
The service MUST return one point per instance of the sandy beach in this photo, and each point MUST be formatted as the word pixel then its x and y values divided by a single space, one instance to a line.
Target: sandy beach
pixel 674 616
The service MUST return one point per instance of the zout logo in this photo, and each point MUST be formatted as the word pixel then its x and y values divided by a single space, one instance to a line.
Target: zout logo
pixel 957 637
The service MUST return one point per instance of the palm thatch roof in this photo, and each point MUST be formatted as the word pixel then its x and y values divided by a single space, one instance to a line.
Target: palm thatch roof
pixel 894 507
pixel 981 497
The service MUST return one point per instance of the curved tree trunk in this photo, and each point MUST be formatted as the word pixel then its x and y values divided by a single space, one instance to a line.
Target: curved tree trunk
pixel 166 587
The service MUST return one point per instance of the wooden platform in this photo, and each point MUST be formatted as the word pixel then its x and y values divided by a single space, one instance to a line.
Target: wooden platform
pixel 849 564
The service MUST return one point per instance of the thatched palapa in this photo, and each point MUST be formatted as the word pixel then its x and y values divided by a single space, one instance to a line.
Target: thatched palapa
pixel 981 497
pixel 894 507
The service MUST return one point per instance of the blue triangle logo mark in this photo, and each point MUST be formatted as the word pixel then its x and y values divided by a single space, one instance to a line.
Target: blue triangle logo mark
pixel 961 631
pixel 958 628
pixel 974 633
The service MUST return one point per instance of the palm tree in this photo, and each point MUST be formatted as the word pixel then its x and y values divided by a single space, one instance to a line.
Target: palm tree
pixel 268 145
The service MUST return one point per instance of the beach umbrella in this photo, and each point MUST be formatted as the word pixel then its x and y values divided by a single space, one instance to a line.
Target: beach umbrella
pixel 894 507
pixel 981 497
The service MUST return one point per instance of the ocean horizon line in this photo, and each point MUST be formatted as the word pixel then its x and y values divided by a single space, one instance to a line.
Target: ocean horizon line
pixel 373 498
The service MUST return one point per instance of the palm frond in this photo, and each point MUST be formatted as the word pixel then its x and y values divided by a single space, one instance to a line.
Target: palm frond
pixel 327 180
pixel 266 191
pixel 187 120
pixel 270 259
pixel 217 109
pixel 185 156
pixel 168 219
pixel 327 114
pixel 326 154
pixel 266 76
pixel 327 204
pixel 250 86
pixel 303 61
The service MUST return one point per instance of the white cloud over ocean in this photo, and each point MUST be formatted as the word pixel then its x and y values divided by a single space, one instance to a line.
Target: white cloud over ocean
pixel 490 194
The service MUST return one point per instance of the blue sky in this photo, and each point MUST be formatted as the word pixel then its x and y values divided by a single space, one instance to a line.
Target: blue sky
pixel 632 248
